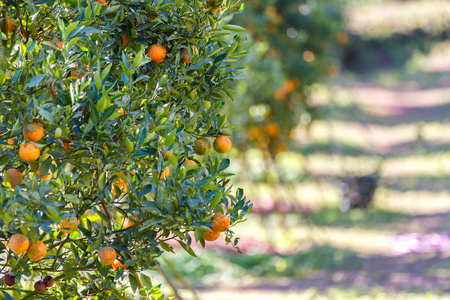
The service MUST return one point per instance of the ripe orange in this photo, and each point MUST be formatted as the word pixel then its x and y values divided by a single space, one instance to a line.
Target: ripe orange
pixel 185 54
pixel 272 129
pixel 19 243
pixel 33 131
pixel 43 177
pixel 202 146
pixel 157 53
pixel 11 25
pixel 29 152
pixel 189 163
pixel 107 256
pixel 220 223
pixel 210 236
pixel 126 223
pixel 102 2
pixel 213 10
pixel 222 144
pixel 125 40
pixel 121 185
pixel 117 264
pixel 66 146
pixel 68 226
pixel 37 250
pixel 16 177
pixel 11 143
pixel 75 72
pixel 59 44
pixel 165 174
pixel 255 133
pixel 342 38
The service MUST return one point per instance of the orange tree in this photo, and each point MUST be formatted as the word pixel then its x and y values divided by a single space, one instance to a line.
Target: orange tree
pixel 296 44
pixel 102 107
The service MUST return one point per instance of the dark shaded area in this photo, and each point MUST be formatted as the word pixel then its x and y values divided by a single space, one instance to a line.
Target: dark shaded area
pixel 364 56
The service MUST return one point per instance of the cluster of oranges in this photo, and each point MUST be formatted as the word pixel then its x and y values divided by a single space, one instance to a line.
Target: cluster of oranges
pixel 33 132
pixel 287 88
pixel 220 223
pixel 20 244
pixel 202 146
pixel 268 138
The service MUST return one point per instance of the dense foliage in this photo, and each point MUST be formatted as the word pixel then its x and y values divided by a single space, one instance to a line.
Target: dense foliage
pixel 119 127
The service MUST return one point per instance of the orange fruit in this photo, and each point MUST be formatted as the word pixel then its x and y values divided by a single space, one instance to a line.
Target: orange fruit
pixel 33 131
pixel 102 2
pixel 185 54
pixel 43 177
pixel 66 146
pixel 11 25
pixel 280 94
pixel 220 223
pixel 68 226
pixel 272 129
pixel 342 38
pixel 19 243
pixel 189 163
pixel 107 256
pixel 210 236
pixel 29 152
pixel 126 223
pixel 125 40
pixel 213 10
pixel 59 44
pixel 202 146
pixel 157 53
pixel 16 177
pixel 37 250
pixel 281 148
pixel 121 185
pixel 11 143
pixel 222 144
pixel 117 264
pixel 79 75
pixel 165 174
pixel 255 133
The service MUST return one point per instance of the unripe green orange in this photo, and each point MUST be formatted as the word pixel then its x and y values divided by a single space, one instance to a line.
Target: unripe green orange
pixel 202 146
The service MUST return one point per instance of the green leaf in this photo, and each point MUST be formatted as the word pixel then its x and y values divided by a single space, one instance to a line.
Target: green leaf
pixel 7 296
pixel 71 198
pixel 36 80
pixel 171 138
pixel 146 281
pixel 137 59
pixel 187 249
pixel 215 201
pixel 102 181
pixel 95 245
pixel 133 282
pixel 234 28
pixel 222 121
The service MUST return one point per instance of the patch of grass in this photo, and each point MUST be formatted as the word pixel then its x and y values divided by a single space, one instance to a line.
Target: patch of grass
pixel 371 218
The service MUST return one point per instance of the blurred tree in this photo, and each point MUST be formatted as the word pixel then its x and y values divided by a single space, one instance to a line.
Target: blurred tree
pixel 295 45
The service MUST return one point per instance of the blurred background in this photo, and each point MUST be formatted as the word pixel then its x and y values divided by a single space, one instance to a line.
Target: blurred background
pixel 341 142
